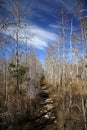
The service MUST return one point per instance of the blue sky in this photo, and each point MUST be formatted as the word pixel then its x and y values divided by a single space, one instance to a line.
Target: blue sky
pixel 42 22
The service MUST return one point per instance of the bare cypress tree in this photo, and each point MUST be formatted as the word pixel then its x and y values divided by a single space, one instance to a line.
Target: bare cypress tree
pixel 18 14
pixel 83 20
pixel 4 68
pixel 70 103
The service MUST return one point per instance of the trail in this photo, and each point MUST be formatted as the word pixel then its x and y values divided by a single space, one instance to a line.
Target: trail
pixel 46 118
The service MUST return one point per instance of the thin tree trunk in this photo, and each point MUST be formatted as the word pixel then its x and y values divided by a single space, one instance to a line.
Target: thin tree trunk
pixel 70 102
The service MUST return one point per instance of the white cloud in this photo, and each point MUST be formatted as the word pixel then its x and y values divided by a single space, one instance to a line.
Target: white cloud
pixel 53 26
pixel 39 40
pixel 43 33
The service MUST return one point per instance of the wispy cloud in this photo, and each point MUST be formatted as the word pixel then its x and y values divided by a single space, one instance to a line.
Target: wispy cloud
pixel 39 40
pixel 43 33
pixel 54 26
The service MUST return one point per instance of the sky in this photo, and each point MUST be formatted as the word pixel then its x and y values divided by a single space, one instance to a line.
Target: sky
pixel 42 22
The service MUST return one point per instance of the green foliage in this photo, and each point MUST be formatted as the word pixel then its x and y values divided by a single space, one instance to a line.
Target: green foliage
pixel 11 65
pixel 17 73
pixel 22 70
